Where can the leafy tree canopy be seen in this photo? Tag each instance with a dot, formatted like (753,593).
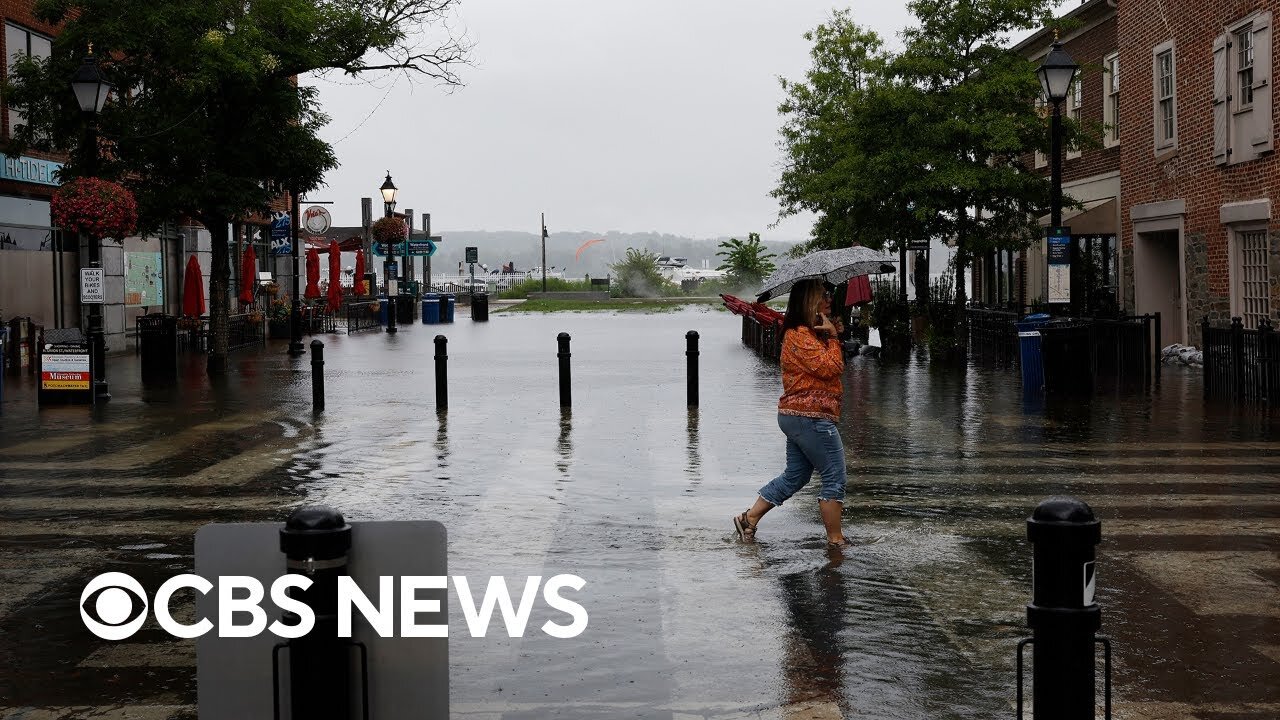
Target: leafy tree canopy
(746,263)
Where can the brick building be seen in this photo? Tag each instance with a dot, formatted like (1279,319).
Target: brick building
(39,266)
(1090,175)
(1198,162)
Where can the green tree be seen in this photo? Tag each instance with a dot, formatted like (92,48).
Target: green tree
(923,143)
(638,275)
(746,263)
(208,121)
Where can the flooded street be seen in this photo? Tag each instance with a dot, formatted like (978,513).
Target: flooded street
(634,493)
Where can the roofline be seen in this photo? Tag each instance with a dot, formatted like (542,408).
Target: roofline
(1042,37)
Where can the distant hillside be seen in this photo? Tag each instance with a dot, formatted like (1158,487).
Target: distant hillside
(525,249)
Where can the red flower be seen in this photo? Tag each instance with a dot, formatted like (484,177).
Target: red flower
(389,230)
(96,207)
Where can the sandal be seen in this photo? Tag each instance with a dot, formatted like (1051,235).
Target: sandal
(843,543)
(746,531)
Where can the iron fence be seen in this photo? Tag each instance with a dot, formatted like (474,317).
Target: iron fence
(362,316)
(242,332)
(1242,364)
(993,334)
(1125,349)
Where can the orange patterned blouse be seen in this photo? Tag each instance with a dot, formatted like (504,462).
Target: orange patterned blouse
(811,370)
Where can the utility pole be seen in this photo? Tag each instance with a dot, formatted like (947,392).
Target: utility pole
(544,252)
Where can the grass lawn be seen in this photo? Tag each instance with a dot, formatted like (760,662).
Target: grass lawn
(612,304)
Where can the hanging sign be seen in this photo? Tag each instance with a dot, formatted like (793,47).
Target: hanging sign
(316,220)
(281,240)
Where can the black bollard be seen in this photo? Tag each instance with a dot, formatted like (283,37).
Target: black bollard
(1063,616)
(442,373)
(315,541)
(317,375)
(691,355)
(565,398)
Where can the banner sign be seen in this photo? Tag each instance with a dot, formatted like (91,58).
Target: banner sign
(281,234)
(1059,265)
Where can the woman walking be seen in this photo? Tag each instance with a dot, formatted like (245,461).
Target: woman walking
(812,363)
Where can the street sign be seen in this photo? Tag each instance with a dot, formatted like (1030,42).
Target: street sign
(421,247)
(918,244)
(316,220)
(92,290)
(1059,264)
(473,255)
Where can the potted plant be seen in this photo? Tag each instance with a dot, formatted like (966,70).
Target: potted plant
(278,317)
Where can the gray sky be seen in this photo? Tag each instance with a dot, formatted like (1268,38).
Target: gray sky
(622,115)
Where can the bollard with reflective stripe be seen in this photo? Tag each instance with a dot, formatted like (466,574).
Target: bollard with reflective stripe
(1063,614)
(315,541)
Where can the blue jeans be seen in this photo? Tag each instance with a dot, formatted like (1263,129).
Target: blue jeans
(811,444)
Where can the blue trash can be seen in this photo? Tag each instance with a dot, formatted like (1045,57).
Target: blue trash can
(446,315)
(449,313)
(382,311)
(430,309)
(1029,347)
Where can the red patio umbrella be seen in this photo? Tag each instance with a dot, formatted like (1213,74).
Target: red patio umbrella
(335,276)
(193,289)
(359,284)
(248,275)
(313,274)
(859,291)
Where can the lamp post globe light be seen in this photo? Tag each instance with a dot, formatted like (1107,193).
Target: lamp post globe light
(1056,74)
(389,192)
(91,91)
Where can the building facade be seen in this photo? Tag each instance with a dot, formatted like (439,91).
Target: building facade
(1198,162)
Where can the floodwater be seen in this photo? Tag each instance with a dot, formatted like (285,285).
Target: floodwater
(634,493)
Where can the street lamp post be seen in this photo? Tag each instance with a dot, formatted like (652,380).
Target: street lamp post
(389,191)
(91,91)
(1056,75)
(295,310)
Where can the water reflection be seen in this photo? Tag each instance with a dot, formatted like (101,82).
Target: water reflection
(564,443)
(813,660)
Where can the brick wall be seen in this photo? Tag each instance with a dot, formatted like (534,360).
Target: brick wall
(1188,172)
(19,12)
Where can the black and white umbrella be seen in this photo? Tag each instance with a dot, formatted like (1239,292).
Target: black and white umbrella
(832,266)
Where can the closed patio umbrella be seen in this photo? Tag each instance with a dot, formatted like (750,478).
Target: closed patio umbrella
(193,289)
(359,284)
(335,276)
(313,274)
(248,274)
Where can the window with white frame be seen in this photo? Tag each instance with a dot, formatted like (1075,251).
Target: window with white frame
(1111,99)
(1075,102)
(1252,288)
(1242,104)
(20,42)
(1165,93)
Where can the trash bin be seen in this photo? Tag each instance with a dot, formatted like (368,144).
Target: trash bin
(158,346)
(480,307)
(430,309)
(406,309)
(382,311)
(447,303)
(1066,350)
(1029,350)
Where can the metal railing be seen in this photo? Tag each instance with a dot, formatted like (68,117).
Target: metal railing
(1125,349)
(1241,364)
(243,333)
(993,334)
(361,316)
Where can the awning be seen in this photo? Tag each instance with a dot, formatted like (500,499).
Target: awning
(1097,218)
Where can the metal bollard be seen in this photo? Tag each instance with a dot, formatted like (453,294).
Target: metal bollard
(315,541)
(317,376)
(442,373)
(691,355)
(565,398)
(1063,616)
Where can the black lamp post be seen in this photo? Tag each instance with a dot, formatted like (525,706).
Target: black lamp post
(1056,75)
(91,91)
(389,191)
(295,310)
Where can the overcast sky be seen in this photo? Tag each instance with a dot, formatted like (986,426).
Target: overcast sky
(622,115)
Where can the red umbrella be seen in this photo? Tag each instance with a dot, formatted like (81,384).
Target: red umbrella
(859,291)
(359,289)
(313,274)
(193,289)
(335,276)
(248,273)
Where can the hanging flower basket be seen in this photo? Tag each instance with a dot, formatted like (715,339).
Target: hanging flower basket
(96,207)
(389,230)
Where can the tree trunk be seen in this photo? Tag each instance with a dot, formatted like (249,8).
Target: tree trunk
(219,307)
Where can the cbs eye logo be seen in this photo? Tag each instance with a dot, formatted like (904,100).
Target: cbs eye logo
(113,606)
